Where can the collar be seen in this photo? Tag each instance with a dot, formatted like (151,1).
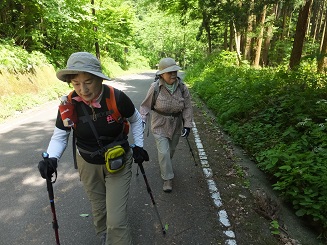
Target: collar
(95,103)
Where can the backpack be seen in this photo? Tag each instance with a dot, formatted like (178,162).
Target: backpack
(156,91)
(112,106)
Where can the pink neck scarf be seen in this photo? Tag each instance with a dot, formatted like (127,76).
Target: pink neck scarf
(95,103)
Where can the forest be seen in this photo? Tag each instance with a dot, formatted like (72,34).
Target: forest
(259,65)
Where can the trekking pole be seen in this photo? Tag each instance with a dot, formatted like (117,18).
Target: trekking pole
(137,170)
(150,193)
(195,163)
(55,226)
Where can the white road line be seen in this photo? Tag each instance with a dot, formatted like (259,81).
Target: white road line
(215,195)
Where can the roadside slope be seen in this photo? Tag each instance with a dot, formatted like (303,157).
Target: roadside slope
(246,193)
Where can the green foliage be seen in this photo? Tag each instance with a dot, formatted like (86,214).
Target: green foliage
(163,35)
(15,59)
(279,117)
(274,227)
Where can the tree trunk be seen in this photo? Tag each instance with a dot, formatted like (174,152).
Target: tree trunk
(301,28)
(237,43)
(260,38)
(231,36)
(268,37)
(248,39)
(206,26)
(284,25)
(226,37)
(321,25)
(322,60)
(97,48)
(314,20)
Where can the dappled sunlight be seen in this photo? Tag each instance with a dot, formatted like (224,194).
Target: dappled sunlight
(34,180)
(70,176)
(10,213)
(21,170)
(119,85)
(137,76)
(24,140)
(5,177)
(13,152)
(24,199)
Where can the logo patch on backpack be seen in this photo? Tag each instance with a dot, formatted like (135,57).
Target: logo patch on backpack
(110,119)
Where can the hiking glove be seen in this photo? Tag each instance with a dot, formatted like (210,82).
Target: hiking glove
(185,132)
(139,154)
(47,167)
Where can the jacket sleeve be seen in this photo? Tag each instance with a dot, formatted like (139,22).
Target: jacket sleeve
(58,143)
(188,110)
(136,127)
(145,107)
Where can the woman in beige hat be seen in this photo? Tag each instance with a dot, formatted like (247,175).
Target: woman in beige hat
(99,116)
(172,116)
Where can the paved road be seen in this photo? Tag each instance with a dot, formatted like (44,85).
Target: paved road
(188,212)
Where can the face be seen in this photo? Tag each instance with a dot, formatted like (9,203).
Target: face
(87,86)
(169,77)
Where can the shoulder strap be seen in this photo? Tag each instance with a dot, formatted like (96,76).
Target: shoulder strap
(112,105)
(155,93)
(183,85)
(69,97)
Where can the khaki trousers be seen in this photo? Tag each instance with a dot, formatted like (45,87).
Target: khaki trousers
(108,194)
(166,148)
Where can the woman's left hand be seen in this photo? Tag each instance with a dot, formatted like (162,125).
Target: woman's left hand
(185,132)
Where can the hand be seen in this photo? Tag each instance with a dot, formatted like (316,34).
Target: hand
(143,125)
(139,154)
(185,132)
(47,167)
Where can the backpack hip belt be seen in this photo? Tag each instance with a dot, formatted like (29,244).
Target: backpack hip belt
(104,148)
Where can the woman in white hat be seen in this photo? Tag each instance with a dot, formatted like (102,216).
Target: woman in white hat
(99,116)
(172,116)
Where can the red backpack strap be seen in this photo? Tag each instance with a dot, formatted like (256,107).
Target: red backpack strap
(112,105)
(69,96)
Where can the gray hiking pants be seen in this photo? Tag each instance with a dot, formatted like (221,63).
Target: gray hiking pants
(166,149)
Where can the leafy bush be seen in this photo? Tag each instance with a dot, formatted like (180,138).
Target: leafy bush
(17,60)
(279,117)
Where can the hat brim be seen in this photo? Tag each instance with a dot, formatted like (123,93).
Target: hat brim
(169,69)
(61,75)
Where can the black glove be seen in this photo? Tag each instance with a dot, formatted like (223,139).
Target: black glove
(47,167)
(139,154)
(185,132)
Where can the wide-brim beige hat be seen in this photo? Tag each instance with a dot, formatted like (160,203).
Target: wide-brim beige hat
(167,65)
(81,62)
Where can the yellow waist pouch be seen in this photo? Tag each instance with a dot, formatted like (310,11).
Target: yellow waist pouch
(114,159)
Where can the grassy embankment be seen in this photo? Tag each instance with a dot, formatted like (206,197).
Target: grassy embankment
(28,79)
(279,117)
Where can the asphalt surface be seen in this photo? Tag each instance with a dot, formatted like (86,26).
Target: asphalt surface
(188,214)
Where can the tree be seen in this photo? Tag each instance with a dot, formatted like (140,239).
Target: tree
(260,37)
(300,32)
(322,60)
